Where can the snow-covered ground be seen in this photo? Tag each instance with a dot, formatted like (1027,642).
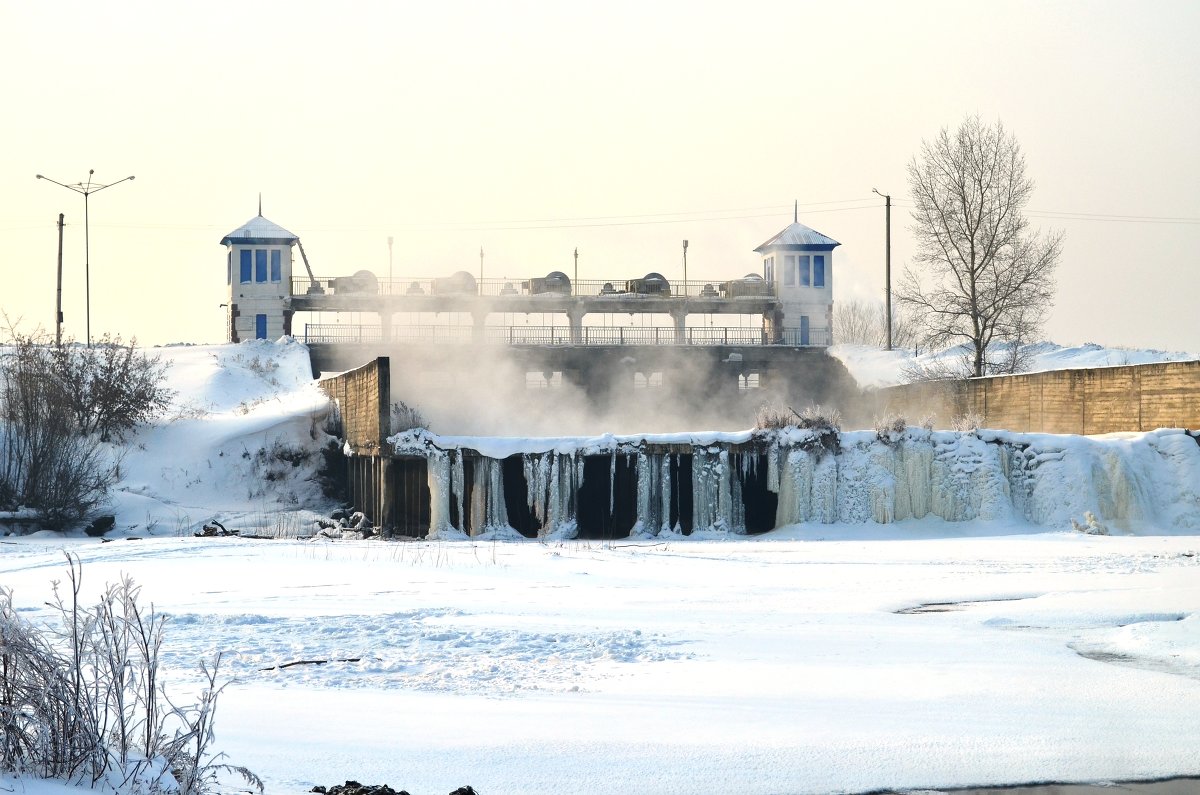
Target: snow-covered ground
(778,664)
(805,660)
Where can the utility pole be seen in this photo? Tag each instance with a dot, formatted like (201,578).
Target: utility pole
(887,261)
(574,289)
(58,316)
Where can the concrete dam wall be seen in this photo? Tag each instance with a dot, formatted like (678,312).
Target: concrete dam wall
(610,487)
(1096,400)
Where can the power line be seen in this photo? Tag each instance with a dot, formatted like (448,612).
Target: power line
(1066,215)
(645,219)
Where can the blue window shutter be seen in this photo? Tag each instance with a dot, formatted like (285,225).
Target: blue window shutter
(260,327)
(246,275)
(819,270)
(276,270)
(260,265)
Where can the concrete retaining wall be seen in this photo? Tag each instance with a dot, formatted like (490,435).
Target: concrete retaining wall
(362,397)
(1098,400)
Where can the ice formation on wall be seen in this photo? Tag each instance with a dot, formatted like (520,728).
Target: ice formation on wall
(1129,482)
(552,481)
(653,494)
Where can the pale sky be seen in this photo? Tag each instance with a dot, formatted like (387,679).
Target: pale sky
(620,128)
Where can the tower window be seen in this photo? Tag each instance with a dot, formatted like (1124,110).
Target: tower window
(246,275)
(804,275)
(819,270)
(260,265)
(276,269)
(789,270)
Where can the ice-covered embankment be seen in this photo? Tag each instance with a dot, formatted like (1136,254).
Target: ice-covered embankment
(1137,483)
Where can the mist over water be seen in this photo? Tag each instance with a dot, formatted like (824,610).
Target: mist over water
(490,391)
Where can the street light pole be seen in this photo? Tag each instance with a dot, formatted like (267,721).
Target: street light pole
(86,190)
(685,269)
(887,259)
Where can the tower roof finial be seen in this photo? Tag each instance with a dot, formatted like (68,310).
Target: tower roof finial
(795,210)
(260,204)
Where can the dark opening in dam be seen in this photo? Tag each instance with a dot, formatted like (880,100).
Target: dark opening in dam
(604,504)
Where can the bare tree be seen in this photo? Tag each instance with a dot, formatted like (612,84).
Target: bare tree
(861,322)
(983,277)
(854,322)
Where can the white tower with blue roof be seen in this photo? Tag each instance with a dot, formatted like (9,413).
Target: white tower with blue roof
(798,263)
(259,275)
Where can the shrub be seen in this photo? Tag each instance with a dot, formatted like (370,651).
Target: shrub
(57,404)
(406,417)
(45,463)
(968,422)
(84,702)
(890,427)
(825,423)
(816,418)
(770,416)
(114,387)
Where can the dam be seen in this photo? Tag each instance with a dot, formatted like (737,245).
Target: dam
(419,484)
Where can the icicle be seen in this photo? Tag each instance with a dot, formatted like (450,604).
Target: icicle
(553,508)
(437,465)
(644,521)
(458,484)
(706,490)
(612,481)
(773,455)
(824,489)
(497,510)
(724,489)
(737,507)
(545,462)
(528,468)
(479,497)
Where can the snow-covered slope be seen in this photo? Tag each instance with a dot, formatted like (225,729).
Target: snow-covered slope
(240,442)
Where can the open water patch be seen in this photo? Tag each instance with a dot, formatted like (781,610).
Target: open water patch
(954,607)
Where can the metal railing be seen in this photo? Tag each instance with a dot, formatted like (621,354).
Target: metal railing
(340,333)
(491,287)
